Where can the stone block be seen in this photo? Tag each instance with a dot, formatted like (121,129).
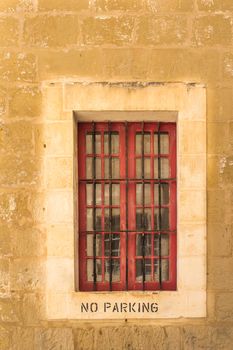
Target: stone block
(59,172)
(9,28)
(101,30)
(191,243)
(10,309)
(215,5)
(196,213)
(189,132)
(161,30)
(61,274)
(212,30)
(59,207)
(224,306)
(3,101)
(197,337)
(220,104)
(25,101)
(18,66)
(220,274)
(219,210)
(59,139)
(5,337)
(27,275)
(54,338)
(23,338)
(119,5)
(193,174)
(12,6)
(29,242)
(84,338)
(81,63)
(219,239)
(33,308)
(62,5)
(218,138)
(169,5)
(4,278)
(51,31)
(5,239)
(60,240)
(184,65)
(227,66)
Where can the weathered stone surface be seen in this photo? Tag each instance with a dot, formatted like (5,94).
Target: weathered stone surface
(33,308)
(48,31)
(23,338)
(29,242)
(54,338)
(84,338)
(10,309)
(25,101)
(5,337)
(220,273)
(4,278)
(161,30)
(9,28)
(215,5)
(212,30)
(107,30)
(169,5)
(220,239)
(18,66)
(12,6)
(62,5)
(224,306)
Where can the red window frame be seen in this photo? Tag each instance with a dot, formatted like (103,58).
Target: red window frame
(127,182)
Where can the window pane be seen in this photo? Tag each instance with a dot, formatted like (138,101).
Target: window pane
(147,168)
(115,219)
(164,194)
(155,143)
(106,220)
(106,168)
(139,194)
(89,219)
(139,270)
(164,144)
(147,245)
(143,224)
(147,199)
(97,143)
(147,270)
(98,216)
(138,168)
(98,194)
(89,193)
(165,270)
(164,219)
(115,244)
(138,143)
(115,270)
(115,194)
(147,194)
(156,270)
(88,143)
(98,168)
(156,171)
(139,221)
(90,270)
(106,194)
(147,143)
(115,168)
(164,245)
(89,173)
(90,242)
(147,219)
(114,143)
(164,168)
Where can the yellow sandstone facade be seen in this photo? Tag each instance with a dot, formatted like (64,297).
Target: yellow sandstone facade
(58,57)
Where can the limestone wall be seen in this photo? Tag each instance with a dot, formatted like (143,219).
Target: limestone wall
(106,40)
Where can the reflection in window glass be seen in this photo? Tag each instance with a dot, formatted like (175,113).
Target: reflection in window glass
(89,193)
(164,219)
(164,194)
(115,244)
(90,270)
(115,270)
(98,244)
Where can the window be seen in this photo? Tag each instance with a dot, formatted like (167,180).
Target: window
(127,206)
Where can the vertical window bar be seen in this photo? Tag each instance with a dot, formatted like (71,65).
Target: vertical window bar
(127,183)
(160,214)
(94,200)
(143,211)
(110,200)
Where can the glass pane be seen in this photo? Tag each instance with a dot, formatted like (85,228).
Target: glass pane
(156,171)
(155,143)
(98,216)
(139,222)
(115,168)
(98,168)
(147,170)
(138,143)
(138,168)
(115,219)
(88,143)
(139,194)
(115,194)
(89,219)
(106,151)
(165,270)
(115,244)
(106,194)
(97,143)
(156,270)
(89,194)
(164,245)
(147,219)
(146,143)
(147,245)
(115,143)
(139,270)
(164,194)
(147,199)
(115,270)
(90,242)
(98,194)
(106,168)
(147,270)
(90,270)
(164,219)
(106,220)
(165,168)
(164,144)
(89,173)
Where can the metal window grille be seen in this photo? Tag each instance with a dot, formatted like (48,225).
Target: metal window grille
(127,206)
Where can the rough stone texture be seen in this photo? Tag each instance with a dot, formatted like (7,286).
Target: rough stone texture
(102,40)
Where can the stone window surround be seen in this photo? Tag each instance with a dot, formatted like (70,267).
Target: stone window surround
(65,102)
